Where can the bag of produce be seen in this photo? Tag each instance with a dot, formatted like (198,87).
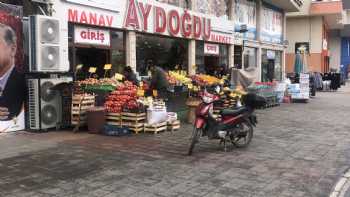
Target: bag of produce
(156,115)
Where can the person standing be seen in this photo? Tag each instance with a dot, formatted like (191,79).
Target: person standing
(159,80)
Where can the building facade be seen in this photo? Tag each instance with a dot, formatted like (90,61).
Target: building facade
(317,27)
(195,34)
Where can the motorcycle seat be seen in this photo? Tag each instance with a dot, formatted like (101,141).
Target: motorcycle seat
(233,112)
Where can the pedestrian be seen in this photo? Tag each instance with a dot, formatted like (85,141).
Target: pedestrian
(130,75)
(159,80)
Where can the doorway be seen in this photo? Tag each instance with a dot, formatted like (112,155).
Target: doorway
(92,57)
(211,63)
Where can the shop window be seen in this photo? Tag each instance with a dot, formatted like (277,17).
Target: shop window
(250,58)
(218,8)
(209,63)
(163,51)
(278,66)
(238,57)
(117,51)
(271,65)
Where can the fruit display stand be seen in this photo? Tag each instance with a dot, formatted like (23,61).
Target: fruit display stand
(134,121)
(113,119)
(155,128)
(80,104)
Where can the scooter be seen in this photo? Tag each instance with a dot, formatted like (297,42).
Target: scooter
(235,126)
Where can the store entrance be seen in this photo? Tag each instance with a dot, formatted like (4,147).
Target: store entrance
(211,63)
(92,57)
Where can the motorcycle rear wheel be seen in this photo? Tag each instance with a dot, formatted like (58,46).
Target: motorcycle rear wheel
(245,132)
(195,138)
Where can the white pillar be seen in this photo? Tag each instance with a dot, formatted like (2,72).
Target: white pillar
(131,49)
(231,59)
(191,57)
(259,61)
(231,48)
(284,49)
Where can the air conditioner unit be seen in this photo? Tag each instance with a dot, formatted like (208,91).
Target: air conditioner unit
(44,103)
(48,51)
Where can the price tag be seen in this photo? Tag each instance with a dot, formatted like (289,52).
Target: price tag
(79,66)
(118,76)
(140,93)
(190,86)
(92,70)
(155,93)
(108,67)
(141,84)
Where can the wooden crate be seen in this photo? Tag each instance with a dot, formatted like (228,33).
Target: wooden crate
(155,128)
(80,105)
(114,119)
(135,121)
(174,125)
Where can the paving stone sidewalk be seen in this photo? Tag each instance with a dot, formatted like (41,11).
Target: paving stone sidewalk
(298,150)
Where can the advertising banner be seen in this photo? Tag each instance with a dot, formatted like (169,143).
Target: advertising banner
(272,25)
(91,36)
(12,83)
(245,14)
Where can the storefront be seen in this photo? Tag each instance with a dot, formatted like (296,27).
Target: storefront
(211,59)
(95,47)
(135,31)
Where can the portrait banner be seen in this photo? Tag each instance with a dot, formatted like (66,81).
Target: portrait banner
(12,81)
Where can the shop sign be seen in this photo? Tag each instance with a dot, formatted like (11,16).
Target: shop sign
(93,36)
(211,49)
(272,25)
(245,14)
(148,16)
(139,16)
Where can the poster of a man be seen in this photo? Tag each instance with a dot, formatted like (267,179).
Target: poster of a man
(12,81)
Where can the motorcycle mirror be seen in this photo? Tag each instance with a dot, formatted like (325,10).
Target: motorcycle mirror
(217,89)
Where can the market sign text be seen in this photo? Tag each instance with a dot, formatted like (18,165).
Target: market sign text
(166,21)
(90,18)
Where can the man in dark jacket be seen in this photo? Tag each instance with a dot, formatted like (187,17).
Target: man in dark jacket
(12,83)
(130,75)
(159,80)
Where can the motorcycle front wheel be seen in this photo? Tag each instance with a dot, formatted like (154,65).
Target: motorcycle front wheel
(194,139)
(243,136)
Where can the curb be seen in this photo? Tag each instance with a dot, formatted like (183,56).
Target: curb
(342,186)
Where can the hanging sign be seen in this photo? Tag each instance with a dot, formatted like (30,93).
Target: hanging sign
(211,49)
(271,25)
(245,14)
(93,36)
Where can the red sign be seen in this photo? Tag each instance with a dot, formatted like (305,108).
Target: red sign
(167,21)
(90,18)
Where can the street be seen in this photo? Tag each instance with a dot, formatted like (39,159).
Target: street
(298,150)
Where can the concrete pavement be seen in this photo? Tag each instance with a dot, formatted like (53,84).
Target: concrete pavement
(297,150)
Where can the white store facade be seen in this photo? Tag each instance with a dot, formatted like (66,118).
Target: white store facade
(131,32)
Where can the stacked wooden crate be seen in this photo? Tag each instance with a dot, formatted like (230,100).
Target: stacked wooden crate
(134,121)
(80,104)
